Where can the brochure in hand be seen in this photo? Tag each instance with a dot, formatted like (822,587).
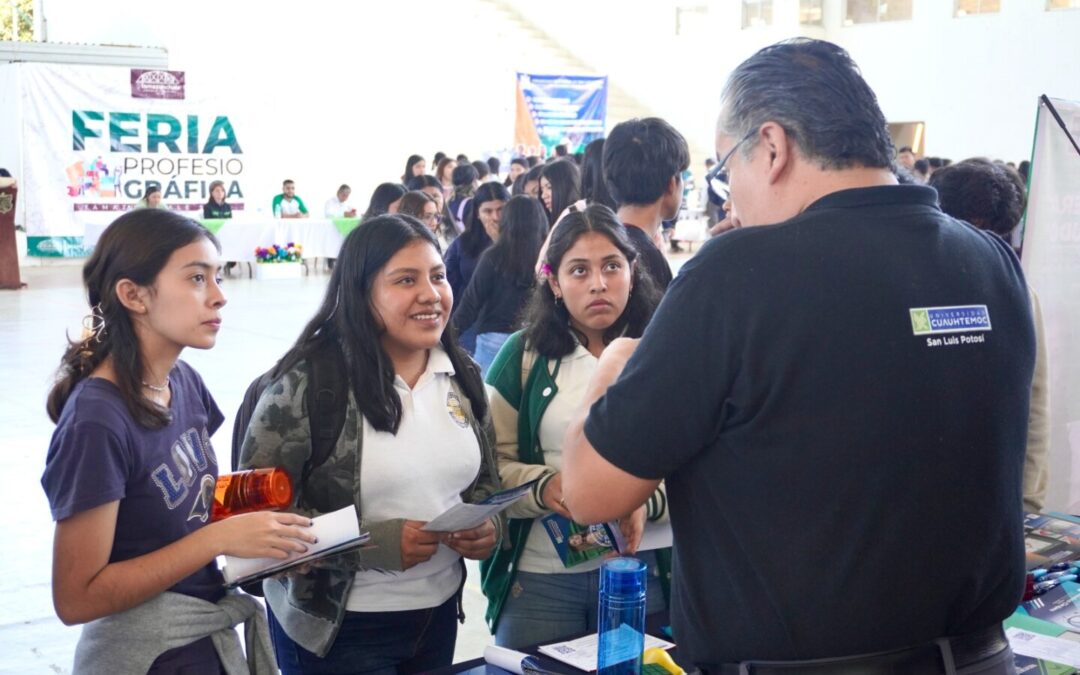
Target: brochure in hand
(576,543)
(467,516)
(337,532)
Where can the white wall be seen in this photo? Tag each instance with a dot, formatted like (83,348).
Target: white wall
(351,89)
(346,91)
(973,80)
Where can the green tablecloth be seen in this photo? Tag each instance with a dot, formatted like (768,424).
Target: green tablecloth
(346,225)
(214,224)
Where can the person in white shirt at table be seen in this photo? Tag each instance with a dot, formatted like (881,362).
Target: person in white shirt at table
(338,206)
(288,204)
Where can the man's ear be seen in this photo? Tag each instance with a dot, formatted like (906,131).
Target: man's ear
(132,296)
(780,148)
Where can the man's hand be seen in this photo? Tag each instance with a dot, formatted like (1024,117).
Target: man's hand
(612,361)
(721,227)
(730,221)
(632,527)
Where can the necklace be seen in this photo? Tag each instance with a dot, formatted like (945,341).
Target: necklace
(153,387)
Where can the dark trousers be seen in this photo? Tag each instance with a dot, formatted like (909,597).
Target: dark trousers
(377,643)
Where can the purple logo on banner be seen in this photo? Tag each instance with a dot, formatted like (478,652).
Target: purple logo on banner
(157,83)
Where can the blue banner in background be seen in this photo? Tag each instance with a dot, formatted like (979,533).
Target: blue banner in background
(559,109)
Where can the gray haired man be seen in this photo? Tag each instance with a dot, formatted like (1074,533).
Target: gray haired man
(851,394)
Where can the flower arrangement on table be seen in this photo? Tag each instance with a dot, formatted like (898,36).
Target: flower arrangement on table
(279,254)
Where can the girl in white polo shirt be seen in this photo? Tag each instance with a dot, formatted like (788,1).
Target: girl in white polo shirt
(417,440)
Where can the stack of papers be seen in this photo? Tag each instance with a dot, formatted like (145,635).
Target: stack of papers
(582,652)
(1041,635)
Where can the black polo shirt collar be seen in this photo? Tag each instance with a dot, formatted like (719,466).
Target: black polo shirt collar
(878,195)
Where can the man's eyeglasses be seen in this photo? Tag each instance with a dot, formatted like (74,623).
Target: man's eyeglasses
(717,178)
(724,160)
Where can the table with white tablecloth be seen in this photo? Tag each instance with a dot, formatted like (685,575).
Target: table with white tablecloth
(239,237)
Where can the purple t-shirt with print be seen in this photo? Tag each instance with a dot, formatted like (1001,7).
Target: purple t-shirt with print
(164,478)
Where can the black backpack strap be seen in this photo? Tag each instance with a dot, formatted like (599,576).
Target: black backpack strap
(243,415)
(327,400)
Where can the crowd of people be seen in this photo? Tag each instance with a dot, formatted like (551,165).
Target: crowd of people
(844,487)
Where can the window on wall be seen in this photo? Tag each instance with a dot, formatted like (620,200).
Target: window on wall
(691,20)
(811,12)
(756,13)
(876,11)
(970,7)
(1062,4)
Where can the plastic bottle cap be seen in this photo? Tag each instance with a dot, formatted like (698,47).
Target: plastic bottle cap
(623,577)
(278,489)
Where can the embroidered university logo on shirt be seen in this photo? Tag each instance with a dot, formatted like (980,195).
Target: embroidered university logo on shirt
(959,319)
(453,407)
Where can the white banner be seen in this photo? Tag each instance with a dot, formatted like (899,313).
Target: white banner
(1051,260)
(95,137)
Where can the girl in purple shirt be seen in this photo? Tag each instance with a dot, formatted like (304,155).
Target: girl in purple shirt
(130,472)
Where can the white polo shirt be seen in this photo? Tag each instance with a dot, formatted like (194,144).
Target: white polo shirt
(335,208)
(416,474)
(575,371)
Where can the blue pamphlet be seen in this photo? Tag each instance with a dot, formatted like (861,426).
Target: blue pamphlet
(576,543)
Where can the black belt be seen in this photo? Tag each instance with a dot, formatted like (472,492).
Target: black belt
(932,657)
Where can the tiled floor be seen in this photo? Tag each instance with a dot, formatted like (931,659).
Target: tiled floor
(260,322)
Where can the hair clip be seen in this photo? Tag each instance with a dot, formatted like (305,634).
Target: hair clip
(93,324)
(545,269)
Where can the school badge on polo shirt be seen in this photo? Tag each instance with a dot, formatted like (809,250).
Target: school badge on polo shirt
(457,413)
(931,321)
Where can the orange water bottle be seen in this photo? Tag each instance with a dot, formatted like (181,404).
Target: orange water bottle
(252,490)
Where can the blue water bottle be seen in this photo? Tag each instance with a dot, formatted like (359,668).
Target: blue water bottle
(621,616)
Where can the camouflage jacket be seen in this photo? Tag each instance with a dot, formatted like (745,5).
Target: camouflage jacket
(311,607)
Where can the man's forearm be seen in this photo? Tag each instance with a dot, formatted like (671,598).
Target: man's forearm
(594,489)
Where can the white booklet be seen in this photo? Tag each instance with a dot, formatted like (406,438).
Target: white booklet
(467,516)
(582,652)
(1035,646)
(337,532)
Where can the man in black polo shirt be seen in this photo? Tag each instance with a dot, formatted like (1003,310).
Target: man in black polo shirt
(852,395)
(643,164)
